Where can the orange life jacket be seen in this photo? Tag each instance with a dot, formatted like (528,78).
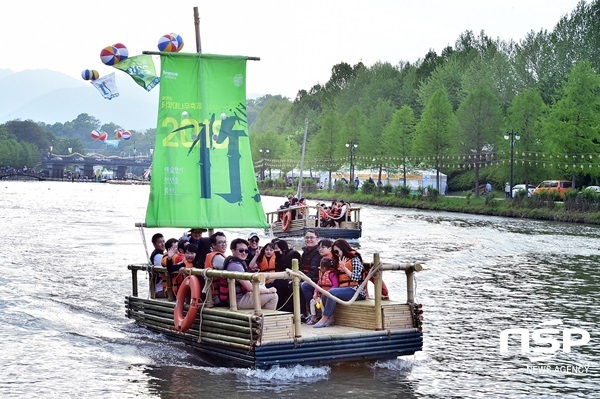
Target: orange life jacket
(178,279)
(208,265)
(344,279)
(325,280)
(267,266)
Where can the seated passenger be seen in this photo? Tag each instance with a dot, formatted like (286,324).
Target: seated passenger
(328,279)
(215,260)
(350,266)
(243,288)
(158,241)
(188,262)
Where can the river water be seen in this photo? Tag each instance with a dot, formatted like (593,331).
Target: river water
(63,330)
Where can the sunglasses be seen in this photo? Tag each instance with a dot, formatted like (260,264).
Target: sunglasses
(242,250)
(253,240)
(310,237)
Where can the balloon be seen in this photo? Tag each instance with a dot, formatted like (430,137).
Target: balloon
(103,136)
(126,135)
(170,43)
(95,134)
(89,74)
(119,133)
(122,51)
(110,55)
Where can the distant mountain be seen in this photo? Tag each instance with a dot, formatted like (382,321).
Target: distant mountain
(48,96)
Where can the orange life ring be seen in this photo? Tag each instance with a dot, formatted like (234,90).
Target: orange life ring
(287,220)
(190,285)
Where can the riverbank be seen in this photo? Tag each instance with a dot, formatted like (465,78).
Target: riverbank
(490,205)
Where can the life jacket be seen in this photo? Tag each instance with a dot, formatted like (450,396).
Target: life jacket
(323,214)
(223,286)
(267,265)
(325,280)
(177,258)
(178,278)
(216,282)
(344,279)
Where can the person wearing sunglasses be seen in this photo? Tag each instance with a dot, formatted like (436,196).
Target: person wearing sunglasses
(253,247)
(350,268)
(243,288)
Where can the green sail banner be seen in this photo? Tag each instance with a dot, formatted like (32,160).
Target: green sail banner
(141,69)
(202,170)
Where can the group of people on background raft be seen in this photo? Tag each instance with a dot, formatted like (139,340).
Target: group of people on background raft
(333,265)
(329,216)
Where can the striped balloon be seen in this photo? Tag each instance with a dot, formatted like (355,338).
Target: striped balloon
(170,43)
(95,134)
(89,74)
(110,55)
(119,133)
(126,135)
(122,51)
(103,136)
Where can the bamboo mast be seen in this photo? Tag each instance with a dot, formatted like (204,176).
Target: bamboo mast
(197,27)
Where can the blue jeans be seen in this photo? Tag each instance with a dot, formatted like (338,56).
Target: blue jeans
(307,292)
(344,294)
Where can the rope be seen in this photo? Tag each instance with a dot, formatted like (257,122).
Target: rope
(144,242)
(304,277)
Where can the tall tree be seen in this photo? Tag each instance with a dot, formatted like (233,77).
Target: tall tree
(398,137)
(436,129)
(573,124)
(479,117)
(322,147)
(525,116)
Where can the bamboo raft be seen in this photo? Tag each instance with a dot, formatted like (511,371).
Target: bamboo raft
(371,329)
(350,224)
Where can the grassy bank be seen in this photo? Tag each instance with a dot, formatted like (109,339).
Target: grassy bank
(493,205)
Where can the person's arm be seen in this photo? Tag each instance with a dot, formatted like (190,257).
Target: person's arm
(253,266)
(357,270)
(335,282)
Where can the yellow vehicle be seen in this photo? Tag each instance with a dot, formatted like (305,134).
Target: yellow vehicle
(559,186)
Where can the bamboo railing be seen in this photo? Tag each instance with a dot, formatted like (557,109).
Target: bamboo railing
(375,270)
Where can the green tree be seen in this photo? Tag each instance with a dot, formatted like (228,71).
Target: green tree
(323,145)
(479,117)
(398,136)
(435,130)
(573,124)
(525,116)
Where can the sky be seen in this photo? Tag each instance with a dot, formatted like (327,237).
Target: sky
(298,42)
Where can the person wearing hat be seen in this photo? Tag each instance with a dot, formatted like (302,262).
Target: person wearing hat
(202,243)
(253,247)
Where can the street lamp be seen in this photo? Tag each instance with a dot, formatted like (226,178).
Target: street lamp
(512,136)
(352,146)
(264,152)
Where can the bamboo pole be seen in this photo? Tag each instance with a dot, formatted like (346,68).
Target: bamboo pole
(296,299)
(378,286)
(134,282)
(232,296)
(197,26)
(256,295)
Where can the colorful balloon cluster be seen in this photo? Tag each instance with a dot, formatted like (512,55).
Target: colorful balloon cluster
(122,134)
(170,43)
(114,54)
(96,135)
(89,74)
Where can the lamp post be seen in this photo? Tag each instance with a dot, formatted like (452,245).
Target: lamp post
(512,136)
(352,146)
(263,153)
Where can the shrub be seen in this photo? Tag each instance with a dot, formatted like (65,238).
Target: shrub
(388,188)
(402,191)
(368,187)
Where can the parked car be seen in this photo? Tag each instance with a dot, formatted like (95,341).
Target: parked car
(560,186)
(518,187)
(78,159)
(56,159)
(593,188)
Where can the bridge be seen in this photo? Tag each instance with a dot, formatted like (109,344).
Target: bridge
(21,175)
(56,164)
